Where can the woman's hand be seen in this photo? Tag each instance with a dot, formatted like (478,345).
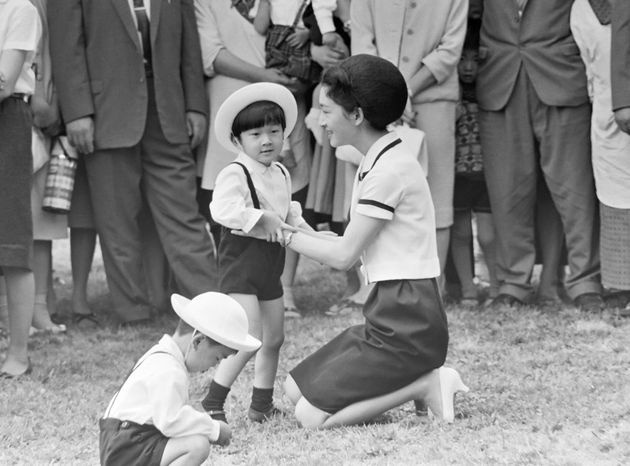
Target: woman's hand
(326,56)
(44,114)
(298,38)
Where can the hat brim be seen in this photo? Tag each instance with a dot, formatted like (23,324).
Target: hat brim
(182,309)
(245,96)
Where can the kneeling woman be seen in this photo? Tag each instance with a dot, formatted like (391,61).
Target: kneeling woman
(397,354)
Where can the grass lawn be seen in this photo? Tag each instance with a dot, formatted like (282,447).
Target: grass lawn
(548,386)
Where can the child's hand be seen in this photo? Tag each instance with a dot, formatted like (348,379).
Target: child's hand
(298,38)
(225,434)
(269,226)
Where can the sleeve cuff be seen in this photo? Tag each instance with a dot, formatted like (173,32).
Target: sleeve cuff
(252,216)
(376,209)
(436,67)
(295,214)
(325,23)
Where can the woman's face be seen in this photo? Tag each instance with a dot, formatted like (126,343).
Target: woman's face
(340,127)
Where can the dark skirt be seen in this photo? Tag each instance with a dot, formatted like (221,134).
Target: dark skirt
(405,335)
(250,266)
(16,168)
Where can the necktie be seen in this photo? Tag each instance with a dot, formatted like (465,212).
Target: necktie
(601,8)
(521,4)
(143,29)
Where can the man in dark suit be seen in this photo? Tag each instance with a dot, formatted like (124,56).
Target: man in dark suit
(620,75)
(536,115)
(130,85)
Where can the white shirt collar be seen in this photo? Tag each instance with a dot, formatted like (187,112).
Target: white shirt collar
(376,148)
(167,344)
(252,165)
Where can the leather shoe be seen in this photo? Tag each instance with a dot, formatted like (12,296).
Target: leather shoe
(590,302)
(506,300)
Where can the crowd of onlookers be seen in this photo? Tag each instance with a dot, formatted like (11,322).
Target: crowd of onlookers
(523,108)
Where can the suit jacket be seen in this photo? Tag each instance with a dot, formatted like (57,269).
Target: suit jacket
(540,40)
(620,59)
(98,67)
(410,35)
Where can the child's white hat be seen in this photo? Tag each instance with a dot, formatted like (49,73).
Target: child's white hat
(217,316)
(248,95)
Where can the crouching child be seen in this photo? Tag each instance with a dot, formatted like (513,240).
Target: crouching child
(149,421)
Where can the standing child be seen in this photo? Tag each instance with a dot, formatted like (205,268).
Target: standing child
(149,420)
(254,191)
(471,194)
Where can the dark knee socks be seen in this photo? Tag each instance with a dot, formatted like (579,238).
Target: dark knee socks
(262,399)
(215,399)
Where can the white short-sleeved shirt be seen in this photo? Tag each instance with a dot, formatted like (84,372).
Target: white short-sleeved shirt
(20,29)
(394,188)
(156,393)
(232,204)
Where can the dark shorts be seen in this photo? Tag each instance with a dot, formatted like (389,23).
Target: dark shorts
(471,194)
(250,266)
(130,444)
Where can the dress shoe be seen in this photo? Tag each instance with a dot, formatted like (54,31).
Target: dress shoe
(450,383)
(590,302)
(506,300)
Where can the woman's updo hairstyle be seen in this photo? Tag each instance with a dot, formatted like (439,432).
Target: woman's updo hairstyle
(371,83)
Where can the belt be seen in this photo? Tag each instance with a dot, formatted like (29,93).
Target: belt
(21,96)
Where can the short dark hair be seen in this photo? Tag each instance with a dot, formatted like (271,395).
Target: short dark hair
(370,83)
(257,114)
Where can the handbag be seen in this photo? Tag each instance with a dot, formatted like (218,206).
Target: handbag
(292,61)
(60,177)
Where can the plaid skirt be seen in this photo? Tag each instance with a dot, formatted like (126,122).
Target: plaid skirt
(615,247)
(292,61)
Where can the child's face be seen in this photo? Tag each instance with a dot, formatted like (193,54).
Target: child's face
(468,66)
(340,128)
(263,144)
(205,354)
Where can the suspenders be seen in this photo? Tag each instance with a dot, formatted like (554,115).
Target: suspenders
(111,405)
(250,183)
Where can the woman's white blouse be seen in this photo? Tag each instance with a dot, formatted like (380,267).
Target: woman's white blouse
(395,189)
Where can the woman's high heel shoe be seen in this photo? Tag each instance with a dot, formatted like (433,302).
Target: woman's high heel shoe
(440,404)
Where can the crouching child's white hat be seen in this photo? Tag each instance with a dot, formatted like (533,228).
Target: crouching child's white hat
(245,96)
(217,316)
